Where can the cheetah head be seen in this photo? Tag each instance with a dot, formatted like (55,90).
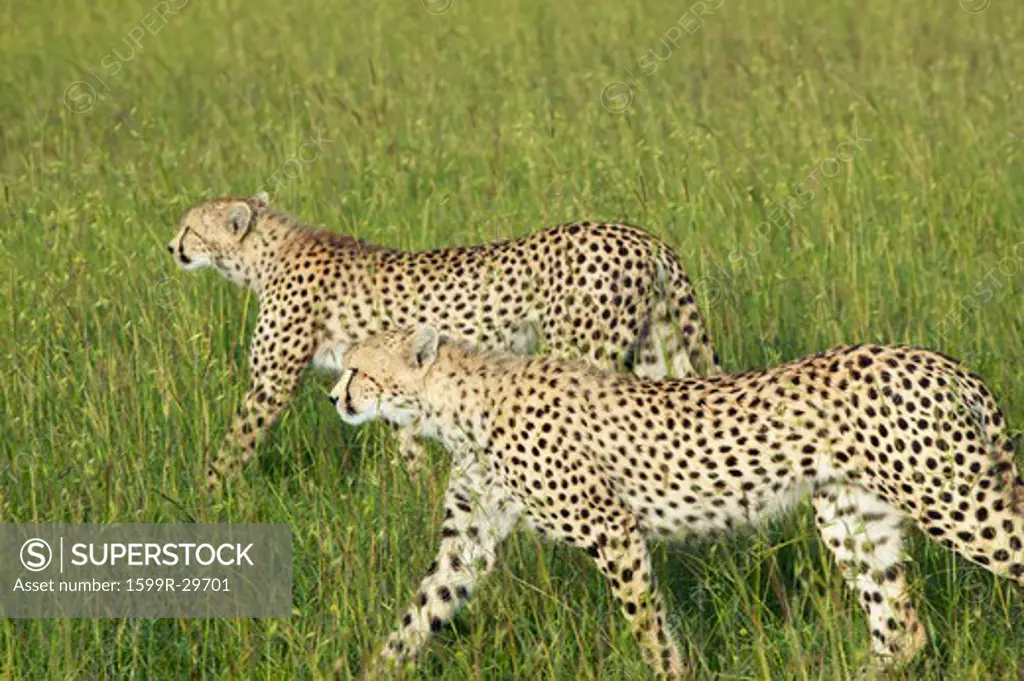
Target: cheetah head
(211,233)
(382,377)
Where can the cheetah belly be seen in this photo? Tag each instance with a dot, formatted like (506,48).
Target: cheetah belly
(672,516)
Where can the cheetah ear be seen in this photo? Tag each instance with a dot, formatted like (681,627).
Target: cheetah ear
(260,200)
(424,347)
(241,215)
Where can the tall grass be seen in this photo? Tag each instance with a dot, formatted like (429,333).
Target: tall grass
(120,372)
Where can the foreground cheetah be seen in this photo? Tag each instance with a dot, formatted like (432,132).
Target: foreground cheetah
(874,435)
(609,293)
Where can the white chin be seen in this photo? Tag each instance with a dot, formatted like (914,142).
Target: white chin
(355,419)
(194,264)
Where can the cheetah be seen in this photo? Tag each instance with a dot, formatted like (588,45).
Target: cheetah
(873,435)
(611,294)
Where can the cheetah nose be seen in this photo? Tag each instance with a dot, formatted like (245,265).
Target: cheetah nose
(333,400)
(170,249)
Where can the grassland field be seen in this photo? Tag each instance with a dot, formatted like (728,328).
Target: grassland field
(830,172)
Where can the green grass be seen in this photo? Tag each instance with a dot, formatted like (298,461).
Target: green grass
(119,372)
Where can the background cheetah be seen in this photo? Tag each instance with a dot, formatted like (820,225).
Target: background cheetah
(874,435)
(609,293)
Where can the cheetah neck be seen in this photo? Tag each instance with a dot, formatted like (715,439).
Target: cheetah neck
(264,248)
(277,240)
(457,398)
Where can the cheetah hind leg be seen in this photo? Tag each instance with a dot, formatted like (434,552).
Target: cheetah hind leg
(864,534)
(624,560)
(983,519)
(668,347)
(673,340)
(648,358)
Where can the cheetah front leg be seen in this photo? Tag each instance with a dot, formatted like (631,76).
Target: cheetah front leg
(280,352)
(412,451)
(478,515)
